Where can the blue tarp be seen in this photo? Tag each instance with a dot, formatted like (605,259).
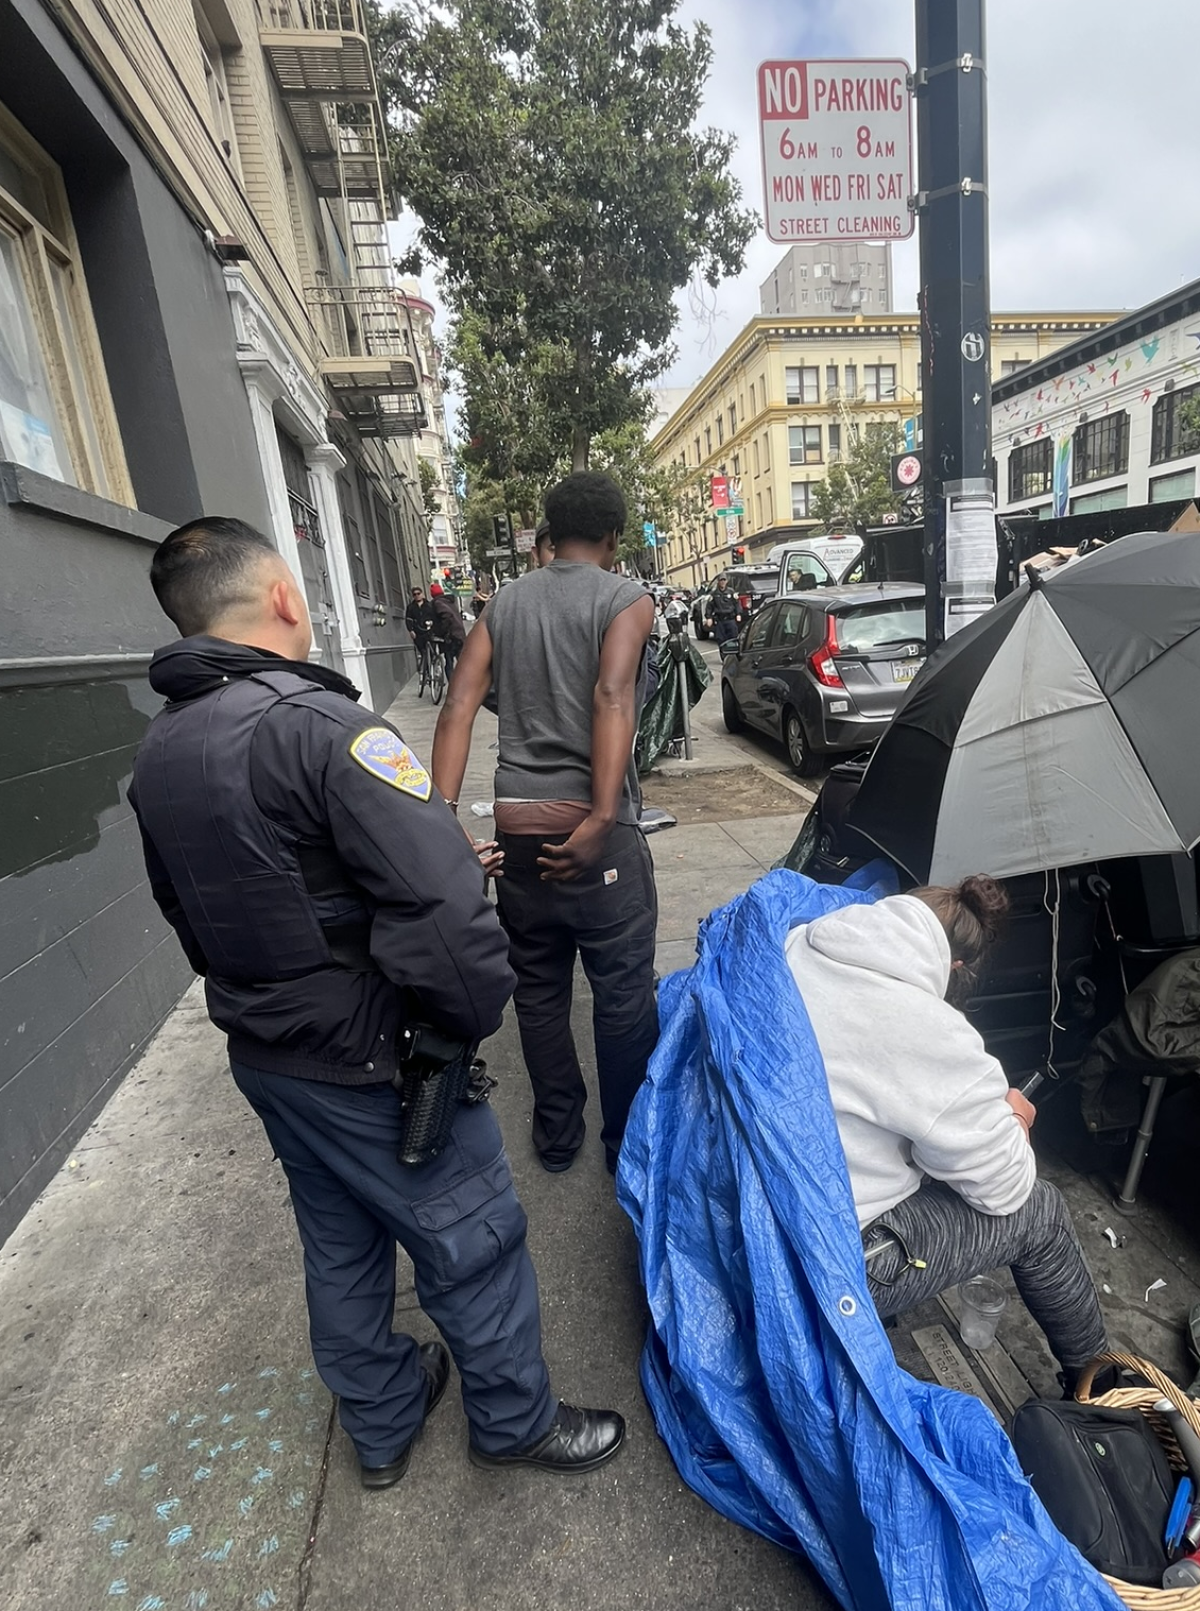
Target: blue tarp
(769,1374)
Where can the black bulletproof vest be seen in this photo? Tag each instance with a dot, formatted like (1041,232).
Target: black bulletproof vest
(248,887)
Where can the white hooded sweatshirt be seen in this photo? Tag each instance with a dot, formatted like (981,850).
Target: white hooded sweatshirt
(914,1090)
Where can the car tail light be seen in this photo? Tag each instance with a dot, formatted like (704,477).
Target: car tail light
(821,663)
(745,600)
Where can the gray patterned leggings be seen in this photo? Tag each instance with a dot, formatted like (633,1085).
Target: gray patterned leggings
(1038,1243)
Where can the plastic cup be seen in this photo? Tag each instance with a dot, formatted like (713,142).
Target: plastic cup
(983,1302)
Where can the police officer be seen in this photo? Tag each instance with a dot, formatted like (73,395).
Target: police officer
(318,882)
(724,611)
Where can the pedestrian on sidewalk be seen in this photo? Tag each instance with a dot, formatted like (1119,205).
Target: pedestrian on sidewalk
(448,625)
(564,646)
(937,1146)
(724,612)
(317,882)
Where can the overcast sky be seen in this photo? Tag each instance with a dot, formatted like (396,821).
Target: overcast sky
(1094,145)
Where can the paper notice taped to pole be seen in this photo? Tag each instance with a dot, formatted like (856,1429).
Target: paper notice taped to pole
(972,553)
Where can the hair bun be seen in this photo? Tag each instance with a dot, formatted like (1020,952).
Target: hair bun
(986,900)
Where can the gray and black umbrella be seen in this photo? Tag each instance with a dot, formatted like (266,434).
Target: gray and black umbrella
(1059,728)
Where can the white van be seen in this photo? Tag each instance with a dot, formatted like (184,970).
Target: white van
(825,559)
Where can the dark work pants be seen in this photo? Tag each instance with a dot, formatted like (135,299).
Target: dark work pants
(1038,1243)
(608,918)
(459,1221)
(724,628)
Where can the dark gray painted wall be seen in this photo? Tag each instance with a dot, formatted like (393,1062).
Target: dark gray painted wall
(88,969)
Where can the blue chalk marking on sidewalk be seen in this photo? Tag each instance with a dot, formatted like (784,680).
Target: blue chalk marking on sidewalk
(163,1510)
(151,1602)
(263,1415)
(263,1474)
(217,1449)
(173,1418)
(245,1505)
(226,1418)
(226,1387)
(195,1443)
(266,1599)
(118,1586)
(275,1445)
(268,1370)
(104,1524)
(113,1478)
(148,1471)
(268,1546)
(220,1554)
(240,1444)
(296,1498)
(179,1535)
(197,1599)
(198,1420)
(202,1474)
(119,1546)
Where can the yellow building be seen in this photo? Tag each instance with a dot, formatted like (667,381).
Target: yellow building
(784,402)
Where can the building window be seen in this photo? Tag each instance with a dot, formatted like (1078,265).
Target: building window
(758,508)
(392,581)
(1101,448)
(212,55)
(753,404)
(770,507)
(56,416)
(801,385)
(879,383)
(804,444)
(1030,470)
(708,441)
(697,450)
(825,295)
(767,452)
(1171,437)
(1168,488)
(851,382)
(306,522)
(800,491)
(737,464)
(831,383)
(835,443)
(1092,503)
(754,456)
(354,541)
(803,272)
(720,429)
(1009,366)
(732,418)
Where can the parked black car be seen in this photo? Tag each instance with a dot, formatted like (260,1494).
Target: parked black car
(825,671)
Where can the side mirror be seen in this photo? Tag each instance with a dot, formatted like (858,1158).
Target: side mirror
(730,646)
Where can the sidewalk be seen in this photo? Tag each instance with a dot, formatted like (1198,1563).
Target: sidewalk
(165,1445)
(164,1442)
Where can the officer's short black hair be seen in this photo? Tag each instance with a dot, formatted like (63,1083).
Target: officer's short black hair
(585,507)
(203,569)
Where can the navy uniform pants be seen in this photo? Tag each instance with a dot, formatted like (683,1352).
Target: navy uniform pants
(607,917)
(459,1221)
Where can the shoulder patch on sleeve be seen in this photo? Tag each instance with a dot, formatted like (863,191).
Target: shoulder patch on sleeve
(385,756)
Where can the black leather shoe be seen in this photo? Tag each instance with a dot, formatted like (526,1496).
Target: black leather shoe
(556,1163)
(435,1366)
(578,1440)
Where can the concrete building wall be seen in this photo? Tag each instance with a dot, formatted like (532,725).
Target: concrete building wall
(828,278)
(737,421)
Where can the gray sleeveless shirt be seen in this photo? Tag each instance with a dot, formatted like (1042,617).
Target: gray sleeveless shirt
(546,632)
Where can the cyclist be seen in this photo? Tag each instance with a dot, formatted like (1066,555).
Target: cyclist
(448,625)
(418,618)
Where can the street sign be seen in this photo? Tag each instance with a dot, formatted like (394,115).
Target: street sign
(906,471)
(498,553)
(837,150)
(525,539)
(649,534)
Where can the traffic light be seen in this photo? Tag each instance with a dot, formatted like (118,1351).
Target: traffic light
(447,572)
(739,556)
(502,530)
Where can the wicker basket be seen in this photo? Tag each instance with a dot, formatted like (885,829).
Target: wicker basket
(1143,1399)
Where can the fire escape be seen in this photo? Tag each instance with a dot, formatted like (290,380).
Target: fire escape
(319,53)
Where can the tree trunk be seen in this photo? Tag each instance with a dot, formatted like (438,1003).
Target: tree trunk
(581,447)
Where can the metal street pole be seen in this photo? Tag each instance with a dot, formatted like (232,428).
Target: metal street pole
(954,305)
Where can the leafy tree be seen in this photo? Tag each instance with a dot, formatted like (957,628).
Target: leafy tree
(857,490)
(429,491)
(550,154)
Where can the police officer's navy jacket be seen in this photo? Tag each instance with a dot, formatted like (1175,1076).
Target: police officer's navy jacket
(311,871)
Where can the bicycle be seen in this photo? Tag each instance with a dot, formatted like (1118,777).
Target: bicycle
(431,667)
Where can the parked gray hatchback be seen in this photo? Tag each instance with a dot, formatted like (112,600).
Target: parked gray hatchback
(824,671)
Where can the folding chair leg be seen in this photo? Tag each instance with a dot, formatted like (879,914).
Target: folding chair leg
(1127,1200)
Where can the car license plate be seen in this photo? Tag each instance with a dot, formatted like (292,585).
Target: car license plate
(905,670)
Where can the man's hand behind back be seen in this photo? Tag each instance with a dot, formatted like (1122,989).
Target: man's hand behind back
(562,863)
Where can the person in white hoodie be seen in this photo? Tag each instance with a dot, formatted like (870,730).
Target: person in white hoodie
(937,1145)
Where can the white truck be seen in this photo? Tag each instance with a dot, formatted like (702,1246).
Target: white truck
(826,560)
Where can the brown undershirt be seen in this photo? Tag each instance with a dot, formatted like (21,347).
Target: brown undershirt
(540,816)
